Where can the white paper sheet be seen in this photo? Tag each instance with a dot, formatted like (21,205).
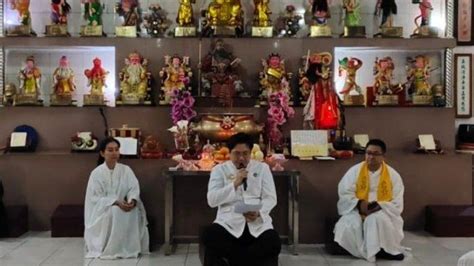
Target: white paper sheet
(361,139)
(427,142)
(18,139)
(128,146)
(242,207)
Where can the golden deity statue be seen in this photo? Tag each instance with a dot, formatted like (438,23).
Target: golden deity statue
(224,13)
(30,83)
(185,13)
(262,13)
(274,78)
(134,77)
(176,75)
(97,77)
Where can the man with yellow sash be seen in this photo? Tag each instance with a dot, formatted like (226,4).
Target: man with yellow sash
(371,203)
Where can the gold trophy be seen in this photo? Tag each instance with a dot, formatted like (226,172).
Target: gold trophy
(185,19)
(262,24)
(96,77)
(223,18)
(63,78)
(135,81)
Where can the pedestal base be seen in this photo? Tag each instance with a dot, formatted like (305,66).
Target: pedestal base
(130,99)
(19,30)
(26,99)
(94,100)
(354,100)
(61,100)
(92,31)
(354,32)
(320,31)
(390,32)
(126,31)
(224,30)
(387,100)
(262,32)
(422,100)
(426,32)
(185,31)
(56,31)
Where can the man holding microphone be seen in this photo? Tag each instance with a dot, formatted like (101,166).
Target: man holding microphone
(244,192)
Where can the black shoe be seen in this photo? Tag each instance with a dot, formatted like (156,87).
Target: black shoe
(384,255)
(222,262)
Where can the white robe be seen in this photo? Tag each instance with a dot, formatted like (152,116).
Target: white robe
(110,232)
(466,259)
(261,189)
(382,229)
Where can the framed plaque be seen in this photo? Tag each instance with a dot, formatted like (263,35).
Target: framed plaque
(463,19)
(463,84)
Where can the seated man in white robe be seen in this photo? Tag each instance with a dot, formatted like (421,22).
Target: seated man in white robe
(466,259)
(241,239)
(371,203)
(115,219)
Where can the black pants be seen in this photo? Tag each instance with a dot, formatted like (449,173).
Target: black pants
(246,250)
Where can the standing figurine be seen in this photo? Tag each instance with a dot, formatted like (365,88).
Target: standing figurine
(352,19)
(59,12)
(185,19)
(422,21)
(176,75)
(351,90)
(289,24)
(321,109)
(20,22)
(418,74)
(135,81)
(385,92)
(156,22)
(93,15)
(130,11)
(63,83)
(387,8)
(220,78)
(96,77)
(320,14)
(273,78)
(262,24)
(223,18)
(30,83)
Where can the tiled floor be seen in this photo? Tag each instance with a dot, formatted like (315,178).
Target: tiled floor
(37,248)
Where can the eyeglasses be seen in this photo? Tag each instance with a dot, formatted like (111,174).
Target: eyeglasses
(370,153)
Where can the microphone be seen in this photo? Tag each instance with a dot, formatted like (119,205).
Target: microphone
(241,166)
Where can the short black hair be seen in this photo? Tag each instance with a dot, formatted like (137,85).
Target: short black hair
(379,143)
(240,138)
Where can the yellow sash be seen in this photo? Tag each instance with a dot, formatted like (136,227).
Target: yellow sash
(384,189)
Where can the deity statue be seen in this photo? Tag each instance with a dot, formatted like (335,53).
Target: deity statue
(220,78)
(387,8)
(18,22)
(96,77)
(128,9)
(274,78)
(352,12)
(320,11)
(176,75)
(59,11)
(9,94)
(223,17)
(93,12)
(135,80)
(261,14)
(418,74)
(63,78)
(383,71)
(289,25)
(423,20)
(23,9)
(30,78)
(185,13)
(155,22)
(350,66)
(321,109)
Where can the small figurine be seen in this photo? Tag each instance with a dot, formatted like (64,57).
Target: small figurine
(151,148)
(181,135)
(262,24)
(93,14)
(387,8)
(21,22)
(273,78)
(63,83)
(96,77)
(350,66)
(321,102)
(9,94)
(30,83)
(220,78)
(320,14)
(439,97)
(60,9)
(175,76)
(185,19)
(130,11)
(352,20)
(422,21)
(223,18)
(384,91)
(135,81)
(156,22)
(84,141)
(289,25)
(418,73)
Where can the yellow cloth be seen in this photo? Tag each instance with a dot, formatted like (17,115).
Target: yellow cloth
(384,189)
